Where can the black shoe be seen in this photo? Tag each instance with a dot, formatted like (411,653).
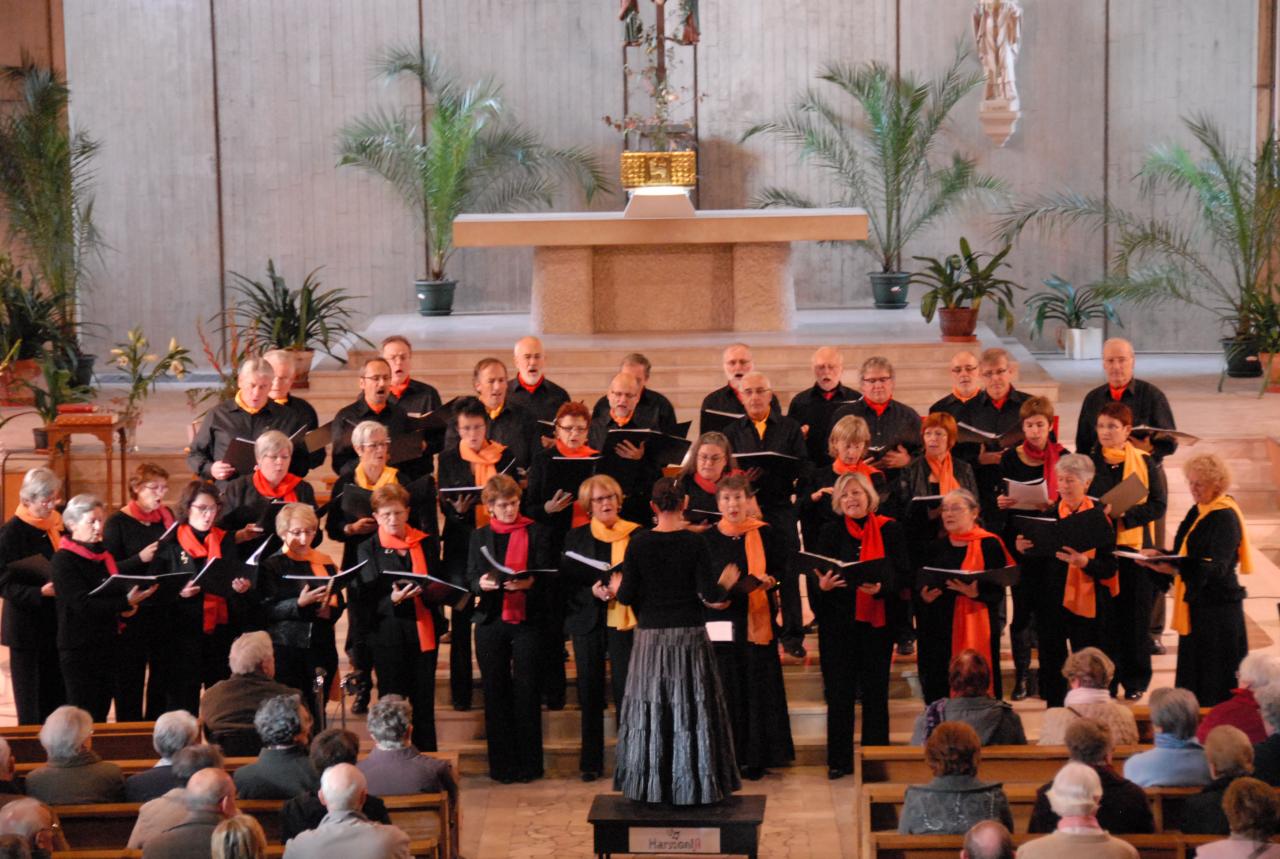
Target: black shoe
(795,649)
(1019,689)
(836,773)
(906,648)
(557,704)
(1158,648)
(753,773)
(1134,694)
(590,775)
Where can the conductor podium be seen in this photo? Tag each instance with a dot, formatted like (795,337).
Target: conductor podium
(623,826)
(715,271)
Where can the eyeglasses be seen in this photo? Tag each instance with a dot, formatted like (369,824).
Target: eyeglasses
(748,392)
(299,532)
(157,488)
(597,499)
(965,368)
(390,513)
(204,508)
(714,456)
(954,508)
(376,378)
(994,372)
(571,429)
(878,380)
(376,444)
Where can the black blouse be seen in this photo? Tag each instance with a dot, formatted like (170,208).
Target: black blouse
(1107,476)
(289,624)
(725,550)
(490,603)
(835,541)
(1213,550)
(669,574)
(29,619)
(85,621)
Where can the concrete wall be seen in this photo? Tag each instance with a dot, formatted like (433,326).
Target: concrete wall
(290,72)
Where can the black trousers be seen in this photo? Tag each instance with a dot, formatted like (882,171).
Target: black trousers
(411,673)
(1129,635)
(552,634)
(509,655)
(1058,628)
(461,680)
(783,522)
(296,667)
(589,654)
(89,675)
(38,689)
(854,656)
(141,646)
(215,651)
(1024,626)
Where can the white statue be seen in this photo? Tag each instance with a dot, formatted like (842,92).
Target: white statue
(997,29)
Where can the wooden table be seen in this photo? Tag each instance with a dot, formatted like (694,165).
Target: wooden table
(730,827)
(60,437)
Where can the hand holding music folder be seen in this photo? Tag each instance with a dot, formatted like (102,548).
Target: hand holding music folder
(566,473)
(319,438)
(659,447)
(121,584)
(1030,495)
(357,502)
(714,420)
(871,572)
(938,577)
(1161,434)
(240,455)
(434,590)
(969,434)
(31,570)
(337,580)
(507,571)
(1124,495)
(777,469)
(1090,529)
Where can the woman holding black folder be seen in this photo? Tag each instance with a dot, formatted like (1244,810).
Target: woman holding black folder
(929,476)
(405,618)
(855,620)
(1071,591)
(508,615)
(463,469)
(1115,460)
(960,614)
(89,623)
(301,616)
(251,502)
(601,627)
(846,445)
(205,616)
(749,664)
(710,459)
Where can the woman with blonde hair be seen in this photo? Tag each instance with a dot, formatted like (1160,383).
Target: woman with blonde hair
(239,837)
(1208,601)
(847,445)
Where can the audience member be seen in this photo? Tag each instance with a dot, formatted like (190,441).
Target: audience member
(75,774)
(1124,806)
(330,747)
(229,706)
(995,721)
(987,839)
(35,824)
(1266,754)
(955,799)
(283,769)
(164,812)
(394,767)
(1177,759)
(1230,756)
(211,799)
(10,788)
(239,837)
(1256,670)
(1253,814)
(174,731)
(13,847)
(345,831)
(1074,797)
(1089,672)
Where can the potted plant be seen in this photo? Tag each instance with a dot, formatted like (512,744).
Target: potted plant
(1215,253)
(884,161)
(1264,320)
(957,286)
(458,152)
(297,320)
(29,318)
(59,389)
(1074,308)
(144,371)
(46,189)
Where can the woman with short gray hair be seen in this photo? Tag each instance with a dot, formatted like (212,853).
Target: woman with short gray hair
(29,623)
(1177,759)
(88,619)
(250,502)
(75,774)
(1257,671)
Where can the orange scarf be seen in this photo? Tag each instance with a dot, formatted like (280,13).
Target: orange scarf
(1079,597)
(377,410)
(1135,462)
(970,621)
(867,608)
(245,406)
(759,623)
(1181,621)
(397,391)
(215,607)
(286,488)
(955,392)
(617,616)
(943,472)
(412,542)
(859,467)
(484,465)
(320,565)
(51,525)
(621,422)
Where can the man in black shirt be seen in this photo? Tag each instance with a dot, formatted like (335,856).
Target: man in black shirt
(895,428)
(247,415)
(813,407)
(534,392)
(413,396)
(302,413)
(374,404)
(1148,403)
(653,409)
(633,464)
(737,362)
(765,429)
(995,410)
(965,384)
(509,424)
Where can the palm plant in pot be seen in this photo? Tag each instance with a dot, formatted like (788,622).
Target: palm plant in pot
(884,160)
(957,286)
(1264,319)
(54,389)
(459,152)
(296,320)
(29,318)
(1215,253)
(1074,308)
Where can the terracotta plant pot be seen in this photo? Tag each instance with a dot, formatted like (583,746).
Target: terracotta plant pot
(12,392)
(302,359)
(1270,362)
(958,324)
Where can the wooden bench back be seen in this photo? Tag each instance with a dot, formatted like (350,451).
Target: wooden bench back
(110,739)
(885,845)
(419,848)
(1009,764)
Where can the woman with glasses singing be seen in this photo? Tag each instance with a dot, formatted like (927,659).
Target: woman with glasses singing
(132,537)
(710,459)
(251,502)
(405,620)
(301,616)
(204,616)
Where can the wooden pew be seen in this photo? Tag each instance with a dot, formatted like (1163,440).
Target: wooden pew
(1009,764)
(419,848)
(887,845)
(110,739)
(133,766)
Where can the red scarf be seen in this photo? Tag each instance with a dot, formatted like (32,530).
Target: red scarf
(1117,394)
(867,608)
(530,388)
(515,603)
(215,607)
(287,488)
(103,557)
(878,408)
(160,515)
(1047,456)
(412,542)
(970,621)
(999,404)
